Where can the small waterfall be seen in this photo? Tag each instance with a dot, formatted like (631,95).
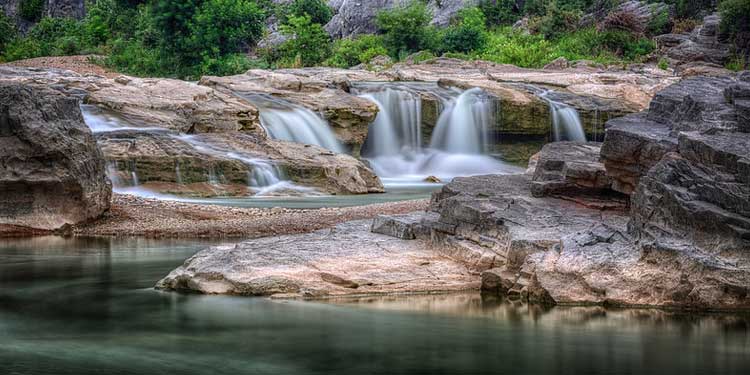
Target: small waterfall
(397,126)
(463,127)
(177,173)
(289,122)
(566,124)
(393,147)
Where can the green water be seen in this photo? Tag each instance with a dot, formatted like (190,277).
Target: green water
(86,306)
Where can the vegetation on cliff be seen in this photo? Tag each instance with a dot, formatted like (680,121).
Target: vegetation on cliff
(191,38)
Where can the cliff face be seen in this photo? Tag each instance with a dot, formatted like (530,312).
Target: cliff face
(354,17)
(52,8)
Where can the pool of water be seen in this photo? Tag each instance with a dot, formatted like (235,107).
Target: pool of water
(86,306)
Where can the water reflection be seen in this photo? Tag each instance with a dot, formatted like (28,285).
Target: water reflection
(79,306)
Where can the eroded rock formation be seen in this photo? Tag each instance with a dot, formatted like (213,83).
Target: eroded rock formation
(52,172)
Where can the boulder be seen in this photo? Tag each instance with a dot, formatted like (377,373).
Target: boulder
(345,260)
(559,63)
(406,226)
(52,173)
(703,45)
(570,170)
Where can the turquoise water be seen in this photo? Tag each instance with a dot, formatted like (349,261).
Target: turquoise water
(86,306)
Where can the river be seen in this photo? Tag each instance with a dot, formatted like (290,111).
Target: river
(87,306)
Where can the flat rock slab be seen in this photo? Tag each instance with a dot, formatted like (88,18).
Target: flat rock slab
(345,260)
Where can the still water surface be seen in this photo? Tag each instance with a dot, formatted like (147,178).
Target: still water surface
(86,306)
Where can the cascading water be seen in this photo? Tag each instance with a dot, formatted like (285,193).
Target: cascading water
(462,128)
(566,124)
(264,177)
(286,121)
(457,145)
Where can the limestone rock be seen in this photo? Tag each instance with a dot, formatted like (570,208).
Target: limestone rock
(320,264)
(52,172)
(703,45)
(557,64)
(406,227)
(570,170)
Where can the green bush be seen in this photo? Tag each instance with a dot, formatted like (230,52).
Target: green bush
(7,32)
(21,48)
(31,10)
(735,21)
(225,27)
(308,43)
(660,24)
(556,21)
(500,12)
(350,52)
(469,34)
(405,28)
(318,11)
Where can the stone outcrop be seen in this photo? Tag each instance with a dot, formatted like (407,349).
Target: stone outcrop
(51,8)
(353,17)
(704,46)
(345,260)
(572,170)
(52,172)
(635,143)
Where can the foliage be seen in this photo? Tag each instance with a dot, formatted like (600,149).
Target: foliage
(500,12)
(469,34)
(663,64)
(691,8)
(684,25)
(308,43)
(350,52)
(31,10)
(318,11)
(556,20)
(660,23)
(7,31)
(737,63)
(405,28)
(226,27)
(735,22)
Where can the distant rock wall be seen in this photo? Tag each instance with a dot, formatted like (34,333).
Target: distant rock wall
(52,8)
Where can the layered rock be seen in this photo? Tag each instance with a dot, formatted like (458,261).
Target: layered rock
(348,115)
(704,46)
(52,172)
(635,143)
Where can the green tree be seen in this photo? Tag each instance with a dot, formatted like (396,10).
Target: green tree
(469,34)
(31,10)
(221,27)
(318,10)
(405,28)
(308,43)
(7,31)
(500,12)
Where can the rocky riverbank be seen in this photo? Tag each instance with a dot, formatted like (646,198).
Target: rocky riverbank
(573,230)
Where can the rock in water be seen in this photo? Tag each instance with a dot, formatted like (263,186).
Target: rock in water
(52,172)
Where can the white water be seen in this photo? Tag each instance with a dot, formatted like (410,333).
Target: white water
(566,124)
(289,122)
(264,177)
(462,128)
(458,142)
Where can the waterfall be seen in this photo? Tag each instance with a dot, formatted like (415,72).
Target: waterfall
(289,122)
(462,127)
(566,124)
(397,126)
(393,146)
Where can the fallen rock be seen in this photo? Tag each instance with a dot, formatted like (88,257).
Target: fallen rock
(52,173)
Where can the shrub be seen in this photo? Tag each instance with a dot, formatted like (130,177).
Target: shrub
(58,36)
(556,21)
(21,48)
(7,31)
(405,28)
(223,27)
(735,22)
(736,63)
(31,10)
(500,12)
(318,11)
(663,64)
(351,52)
(660,23)
(469,34)
(684,25)
(308,45)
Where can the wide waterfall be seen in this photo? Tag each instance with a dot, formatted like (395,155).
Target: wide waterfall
(566,124)
(289,122)
(459,143)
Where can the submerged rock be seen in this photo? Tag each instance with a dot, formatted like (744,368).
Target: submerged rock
(52,173)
